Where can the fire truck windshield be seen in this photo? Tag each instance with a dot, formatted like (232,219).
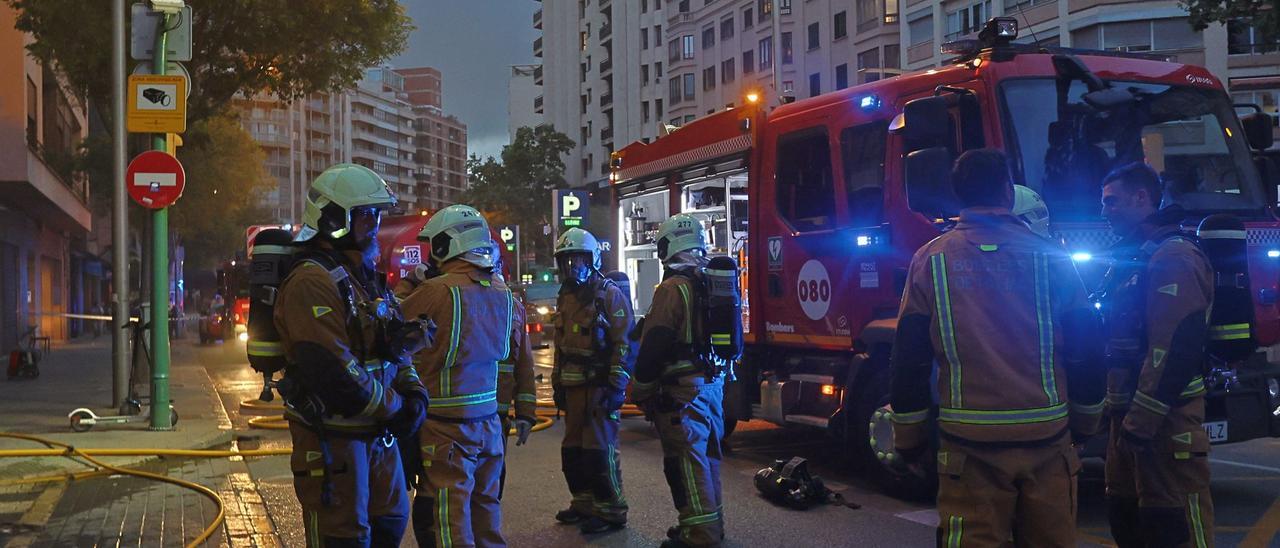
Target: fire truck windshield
(1062,147)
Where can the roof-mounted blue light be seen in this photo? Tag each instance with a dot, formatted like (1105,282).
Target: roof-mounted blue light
(869,102)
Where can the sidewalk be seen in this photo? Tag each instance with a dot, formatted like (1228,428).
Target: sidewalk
(96,511)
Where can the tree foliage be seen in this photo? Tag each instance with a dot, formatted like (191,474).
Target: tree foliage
(518,188)
(286,47)
(222,196)
(1262,14)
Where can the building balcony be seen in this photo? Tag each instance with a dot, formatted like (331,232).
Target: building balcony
(606,31)
(537,76)
(537,47)
(606,134)
(537,19)
(537,104)
(606,99)
(29,183)
(606,66)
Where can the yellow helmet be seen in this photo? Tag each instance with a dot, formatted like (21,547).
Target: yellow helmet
(335,193)
(459,231)
(681,232)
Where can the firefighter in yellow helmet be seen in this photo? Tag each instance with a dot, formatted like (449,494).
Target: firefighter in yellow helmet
(351,388)
(462,441)
(592,369)
(680,393)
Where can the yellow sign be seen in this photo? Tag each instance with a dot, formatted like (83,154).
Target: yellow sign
(157,104)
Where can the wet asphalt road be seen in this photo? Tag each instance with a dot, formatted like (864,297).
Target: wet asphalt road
(1246,486)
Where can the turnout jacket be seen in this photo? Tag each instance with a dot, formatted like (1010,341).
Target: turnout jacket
(1005,316)
(476,309)
(358,388)
(666,345)
(515,372)
(1157,324)
(578,359)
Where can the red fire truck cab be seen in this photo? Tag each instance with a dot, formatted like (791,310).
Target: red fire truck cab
(823,202)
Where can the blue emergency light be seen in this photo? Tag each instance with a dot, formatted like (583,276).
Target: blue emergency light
(869,102)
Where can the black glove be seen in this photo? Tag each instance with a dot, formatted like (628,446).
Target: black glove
(557,396)
(411,416)
(413,337)
(611,400)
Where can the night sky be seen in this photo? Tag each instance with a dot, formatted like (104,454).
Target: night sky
(473,43)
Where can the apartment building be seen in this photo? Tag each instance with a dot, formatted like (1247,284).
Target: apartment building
(524,86)
(618,72)
(390,122)
(49,263)
(1238,54)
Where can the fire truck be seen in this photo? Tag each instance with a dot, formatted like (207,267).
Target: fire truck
(823,201)
(401,251)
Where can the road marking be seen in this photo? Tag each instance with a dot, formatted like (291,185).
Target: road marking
(1247,465)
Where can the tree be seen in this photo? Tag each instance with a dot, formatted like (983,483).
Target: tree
(1263,15)
(222,197)
(288,48)
(518,189)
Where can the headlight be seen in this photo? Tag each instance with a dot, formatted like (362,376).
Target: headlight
(544,310)
(244,337)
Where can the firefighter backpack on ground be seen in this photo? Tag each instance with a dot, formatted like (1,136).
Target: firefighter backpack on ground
(789,483)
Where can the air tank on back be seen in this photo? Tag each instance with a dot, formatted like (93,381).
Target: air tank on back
(271,258)
(1222,237)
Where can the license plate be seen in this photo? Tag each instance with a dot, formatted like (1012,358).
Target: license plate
(1217,431)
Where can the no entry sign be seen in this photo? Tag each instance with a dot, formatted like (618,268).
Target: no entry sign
(155,179)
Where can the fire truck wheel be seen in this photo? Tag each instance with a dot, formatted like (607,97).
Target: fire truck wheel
(732,405)
(869,436)
(77,424)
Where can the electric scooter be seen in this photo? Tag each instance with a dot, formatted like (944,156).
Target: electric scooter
(135,408)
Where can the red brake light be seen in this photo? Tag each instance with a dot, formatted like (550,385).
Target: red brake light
(527,329)
(537,327)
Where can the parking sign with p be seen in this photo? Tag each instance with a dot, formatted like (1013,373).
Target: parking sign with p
(571,208)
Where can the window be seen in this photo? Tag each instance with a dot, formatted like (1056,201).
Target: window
(862,148)
(893,56)
(787,52)
(583,38)
(891,12)
(644,38)
(748,18)
(766,52)
(688,118)
(726,28)
(644,6)
(869,65)
(683,6)
(687,49)
(1013,6)
(727,72)
(689,84)
(764,10)
(657,108)
(708,78)
(813,36)
(644,111)
(788,86)
(921,30)
(815,84)
(708,37)
(839,26)
(673,50)
(657,71)
(842,76)
(806,191)
(644,75)
(1157,35)
(967,20)
(748,61)
(673,91)
(1245,39)
(784,7)
(657,35)
(869,13)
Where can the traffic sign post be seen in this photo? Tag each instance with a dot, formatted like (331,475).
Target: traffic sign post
(157,103)
(160,418)
(155,179)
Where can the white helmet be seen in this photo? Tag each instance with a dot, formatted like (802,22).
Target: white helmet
(577,240)
(335,193)
(1029,207)
(682,232)
(459,231)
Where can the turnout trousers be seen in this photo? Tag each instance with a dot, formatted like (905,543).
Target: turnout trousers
(1007,496)
(368,504)
(458,493)
(1159,495)
(589,455)
(690,424)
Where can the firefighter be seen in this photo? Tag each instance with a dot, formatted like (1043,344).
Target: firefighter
(413,279)
(349,382)
(1005,316)
(516,383)
(680,392)
(592,368)
(461,444)
(1155,300)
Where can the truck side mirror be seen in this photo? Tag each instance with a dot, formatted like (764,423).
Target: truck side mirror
(926,123)
(1257,130)
(928,183)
